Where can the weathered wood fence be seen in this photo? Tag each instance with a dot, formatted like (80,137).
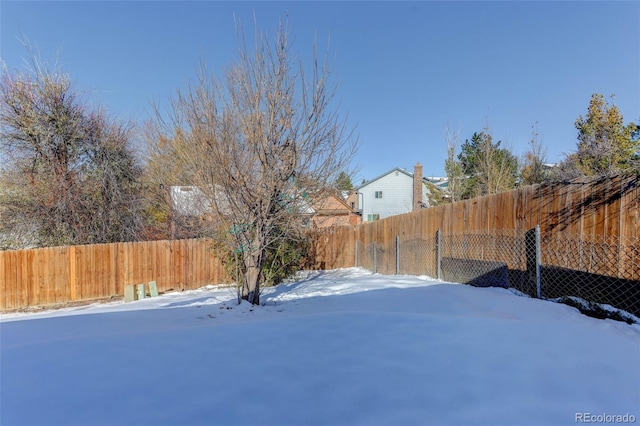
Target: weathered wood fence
(52,275)
(603,210)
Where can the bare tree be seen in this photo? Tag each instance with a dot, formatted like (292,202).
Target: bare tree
(566,170)
(533,169)
(70,174)
(165,175)
(497,168)
(260,146)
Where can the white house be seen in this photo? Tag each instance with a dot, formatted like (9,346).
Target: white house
(189,201)
(395,192)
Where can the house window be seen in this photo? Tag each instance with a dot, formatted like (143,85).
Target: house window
(353,205)
(371,217)
(378,194)
(306,222)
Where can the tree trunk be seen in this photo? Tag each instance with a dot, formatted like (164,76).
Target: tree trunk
(251,285)
(253,267)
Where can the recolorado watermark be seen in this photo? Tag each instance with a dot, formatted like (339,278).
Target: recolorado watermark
(605,418)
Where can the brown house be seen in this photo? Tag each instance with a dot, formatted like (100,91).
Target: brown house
(332,210)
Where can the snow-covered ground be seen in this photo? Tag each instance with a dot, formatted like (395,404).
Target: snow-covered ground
(339,347)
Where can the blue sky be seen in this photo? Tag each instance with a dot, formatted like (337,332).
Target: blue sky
(405,69)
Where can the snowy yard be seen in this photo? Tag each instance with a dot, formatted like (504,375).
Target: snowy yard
(338,348)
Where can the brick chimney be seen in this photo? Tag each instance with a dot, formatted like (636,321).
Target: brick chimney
(417,186)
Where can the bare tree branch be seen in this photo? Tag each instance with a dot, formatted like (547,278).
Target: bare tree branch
(260,146)
(73,172)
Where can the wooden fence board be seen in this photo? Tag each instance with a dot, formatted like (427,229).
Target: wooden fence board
(95,288)
(500,212)
(98,254)
(189,261)
(85,290)
(598,191)
(521,198)
(544,199)
(612,227)
(532,217)
(136,255)
(202,266)
(14,277)
(575,209)
(151,262)
(43,277)
(72,293)
(103,263)
(85,268)
(588,211)
(88,288)
(461,222)
(485,214)
(145,264)
(158,261)
(167,268)
(54,293)
(111,270)
(28,276)
(196,262)
(629,208)
(119,272)
(613,207)
(23,296)
(43,295)
(7,268)
(134,258)
(4,284)
(62,268)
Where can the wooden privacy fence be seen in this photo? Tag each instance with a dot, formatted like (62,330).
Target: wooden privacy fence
(52,275)
(606,210)
(603,215)
(587,244)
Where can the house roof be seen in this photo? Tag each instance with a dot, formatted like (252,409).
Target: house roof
(395,169)
(332,203)
(189,201)
(328,203)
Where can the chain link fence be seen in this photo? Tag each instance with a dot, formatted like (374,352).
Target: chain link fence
(603,270)
(562,267)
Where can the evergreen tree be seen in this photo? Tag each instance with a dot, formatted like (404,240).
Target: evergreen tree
(343,182)
(606,145)
(489,168)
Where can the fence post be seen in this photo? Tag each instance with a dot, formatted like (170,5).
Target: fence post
(397,254)
(439,254)
(356,259)
(375,258)
(538,262)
